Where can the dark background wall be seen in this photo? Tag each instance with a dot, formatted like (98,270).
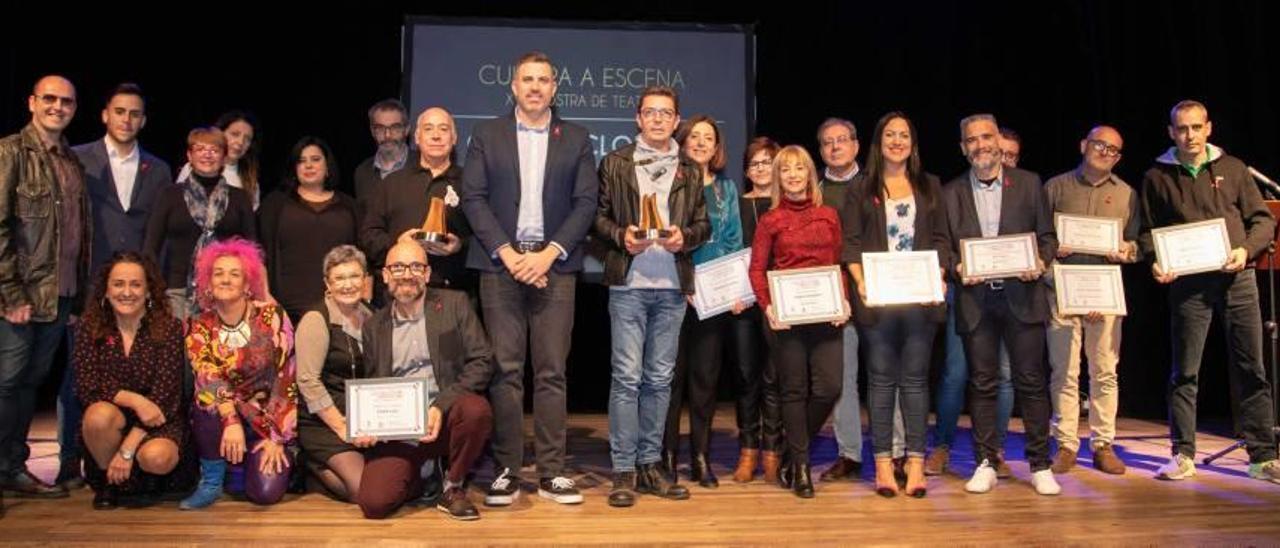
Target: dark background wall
(1050,70)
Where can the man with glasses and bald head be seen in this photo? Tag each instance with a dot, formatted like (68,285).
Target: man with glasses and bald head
(1090,189)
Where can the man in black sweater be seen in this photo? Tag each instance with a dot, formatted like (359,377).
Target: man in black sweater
(1196,181)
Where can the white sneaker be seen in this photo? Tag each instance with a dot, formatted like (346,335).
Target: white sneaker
(1044,482)
(1266,471)
(1179,467)
(984,479)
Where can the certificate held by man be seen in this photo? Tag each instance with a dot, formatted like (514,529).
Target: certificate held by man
(721,283)
(1088,234)
(387,408)
(1192,248)
(807,295)
(903,277)
(1086,289)
(998,257)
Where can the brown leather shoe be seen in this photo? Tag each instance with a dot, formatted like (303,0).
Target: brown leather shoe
(1002,468)
(746,470)
(24,484)
(1106,460)
(454,503)
(843,468)
(1064,461)
(769,462)
(938,460)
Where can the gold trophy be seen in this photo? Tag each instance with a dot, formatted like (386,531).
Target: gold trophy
(433,229)
(651,226)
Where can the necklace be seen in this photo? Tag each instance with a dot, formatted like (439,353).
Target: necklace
(235,336)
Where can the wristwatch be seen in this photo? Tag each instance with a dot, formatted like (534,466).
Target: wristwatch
(126,454)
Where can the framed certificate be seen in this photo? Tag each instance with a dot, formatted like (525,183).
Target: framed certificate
(1088,235)
(906,277)
(807,295)
(720,282)
(1192,248)
(1082,289)
(998,257)
(389,408)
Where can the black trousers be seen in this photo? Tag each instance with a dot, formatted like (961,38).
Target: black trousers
(810,361)
(1025,342)
(697,372)
(1194,301)
(759,417)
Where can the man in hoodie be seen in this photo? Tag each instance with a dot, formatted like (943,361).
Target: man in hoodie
(1197,181)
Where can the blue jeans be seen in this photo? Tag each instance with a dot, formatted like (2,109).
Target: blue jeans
(899,348)
(848,417)
(26,356)
(70,412)
(955,382)
(645,328)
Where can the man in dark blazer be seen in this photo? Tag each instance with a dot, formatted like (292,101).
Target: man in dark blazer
(431,334)
(991,200)
(122,181)
(529,193)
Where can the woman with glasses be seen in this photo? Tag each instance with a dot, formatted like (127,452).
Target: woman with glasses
(759,422)
(240,166)
(195,213)
(329,353)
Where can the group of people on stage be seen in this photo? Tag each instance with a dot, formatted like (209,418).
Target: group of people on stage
(213,332)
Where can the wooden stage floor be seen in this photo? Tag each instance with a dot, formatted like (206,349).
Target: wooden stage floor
(1222,506)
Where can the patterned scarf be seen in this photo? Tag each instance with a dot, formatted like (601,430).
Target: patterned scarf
(206,210)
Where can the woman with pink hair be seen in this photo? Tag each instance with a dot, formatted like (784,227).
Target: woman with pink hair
(242,353)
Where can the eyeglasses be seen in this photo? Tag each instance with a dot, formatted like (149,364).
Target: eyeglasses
(49,99)
(379,129)
(1011,156)
(205,149)
(1101,147)
(399,269)
(661,114)
(760,164)
(837,141)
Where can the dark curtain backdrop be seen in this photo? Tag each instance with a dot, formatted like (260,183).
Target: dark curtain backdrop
(1050,70)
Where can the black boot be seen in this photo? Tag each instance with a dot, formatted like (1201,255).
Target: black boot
(700,471)
(785,471)
(802,483)
(650,480)
(669,465)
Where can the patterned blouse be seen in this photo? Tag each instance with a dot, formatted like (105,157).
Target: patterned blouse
(257,376)
(900,223)
(153,370)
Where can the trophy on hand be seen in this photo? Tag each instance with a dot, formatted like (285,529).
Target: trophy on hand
(433,229)
(651,226)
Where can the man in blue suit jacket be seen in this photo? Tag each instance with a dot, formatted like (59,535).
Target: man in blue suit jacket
(529,191)
(122,181)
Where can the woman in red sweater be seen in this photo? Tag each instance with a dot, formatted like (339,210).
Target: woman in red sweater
(800,232)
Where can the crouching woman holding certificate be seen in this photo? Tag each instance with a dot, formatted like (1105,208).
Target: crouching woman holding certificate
(798,232)
(894,209)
